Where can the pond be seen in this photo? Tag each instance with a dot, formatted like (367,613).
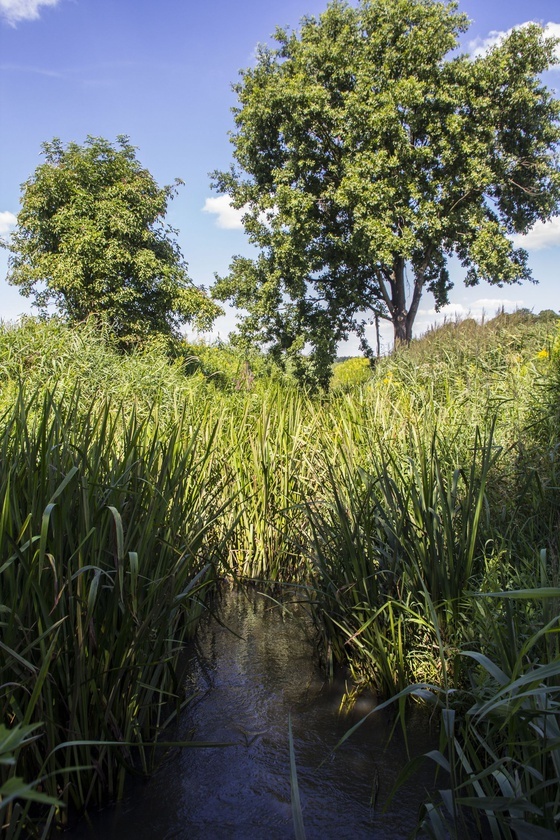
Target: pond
(251,668)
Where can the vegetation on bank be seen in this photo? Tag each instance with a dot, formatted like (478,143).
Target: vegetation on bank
(418,508)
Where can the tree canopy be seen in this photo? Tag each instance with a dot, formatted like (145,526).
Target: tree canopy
(91,238)
(367,152)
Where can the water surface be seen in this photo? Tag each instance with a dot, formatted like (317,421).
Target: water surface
(249,673)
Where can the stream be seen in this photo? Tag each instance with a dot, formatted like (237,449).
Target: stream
(246,684)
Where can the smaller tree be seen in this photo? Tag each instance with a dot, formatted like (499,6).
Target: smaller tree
(91,239)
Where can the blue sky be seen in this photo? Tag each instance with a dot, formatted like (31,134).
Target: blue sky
(161,73)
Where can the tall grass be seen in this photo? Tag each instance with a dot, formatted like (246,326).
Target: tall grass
(17,794)
(108,540)
(388,538)
(273,466)
(441,522)
(500,737)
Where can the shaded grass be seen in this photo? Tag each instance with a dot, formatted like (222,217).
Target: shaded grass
(500,738)
(109,539)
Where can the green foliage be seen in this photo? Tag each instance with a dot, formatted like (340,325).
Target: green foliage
(228,367)
(91,239)
(272,455)
(365,151)
(16,794)
(61,356)
(391,536)
(500,739)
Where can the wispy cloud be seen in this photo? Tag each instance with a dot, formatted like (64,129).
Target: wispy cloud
(228,217)
(7,222)
(27,68)
(14,11)
(480,46)
(111,68)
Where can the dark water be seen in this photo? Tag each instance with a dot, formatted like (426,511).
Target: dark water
(247,684)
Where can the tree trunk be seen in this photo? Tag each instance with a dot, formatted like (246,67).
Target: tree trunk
(398,300)
(403,318)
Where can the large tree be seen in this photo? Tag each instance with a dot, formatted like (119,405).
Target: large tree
(367,152)
(91,238)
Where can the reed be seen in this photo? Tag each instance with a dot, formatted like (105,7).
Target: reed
(108,540)
(270,450)
(17,794)
(386,539)
(500,739)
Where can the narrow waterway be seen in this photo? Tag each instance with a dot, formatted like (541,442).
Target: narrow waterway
(251,670)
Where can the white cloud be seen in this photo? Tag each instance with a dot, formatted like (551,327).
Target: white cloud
(228,217)
(7,222)
(427,318)
(494,304)
(15,10)
(542,235)
(480,46)
(477,309)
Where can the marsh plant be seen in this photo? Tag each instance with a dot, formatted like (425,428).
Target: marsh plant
(417,509)
(390,538)
(499,753)
(108,541)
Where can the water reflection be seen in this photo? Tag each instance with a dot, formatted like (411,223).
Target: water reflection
(247,682)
